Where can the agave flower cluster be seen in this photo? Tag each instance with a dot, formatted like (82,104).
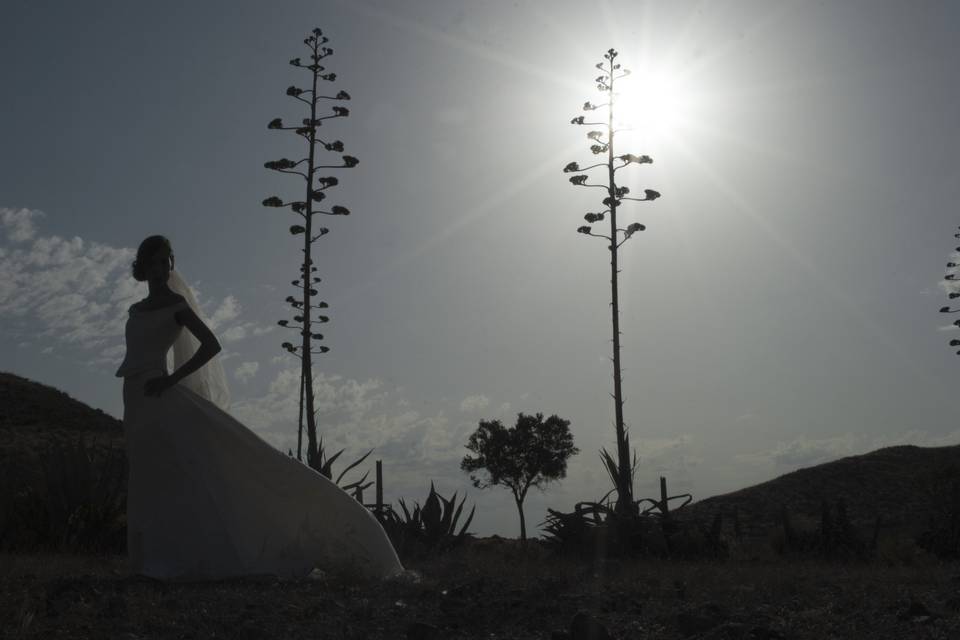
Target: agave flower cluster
(951,282)
(603,143)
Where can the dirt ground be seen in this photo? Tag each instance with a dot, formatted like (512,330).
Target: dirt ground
(493,591)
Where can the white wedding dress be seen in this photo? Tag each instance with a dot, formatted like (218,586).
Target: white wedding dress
(208,498)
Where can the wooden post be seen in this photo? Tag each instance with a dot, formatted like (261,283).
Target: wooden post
(358,494)
(379,487)
(664,507)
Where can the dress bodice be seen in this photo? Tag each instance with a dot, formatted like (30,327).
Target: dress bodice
(149,336)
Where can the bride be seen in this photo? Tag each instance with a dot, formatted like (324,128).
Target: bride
(207,497)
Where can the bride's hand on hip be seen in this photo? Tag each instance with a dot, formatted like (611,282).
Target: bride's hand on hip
(156,386)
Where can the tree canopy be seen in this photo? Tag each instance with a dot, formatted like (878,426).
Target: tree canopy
(530,454)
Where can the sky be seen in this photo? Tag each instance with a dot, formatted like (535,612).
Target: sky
(779,311)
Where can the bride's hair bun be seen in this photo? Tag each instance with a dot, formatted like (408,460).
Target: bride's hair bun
(147,248)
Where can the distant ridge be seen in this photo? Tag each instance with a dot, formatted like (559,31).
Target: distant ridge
(29,405)
(902,484)
(34,416)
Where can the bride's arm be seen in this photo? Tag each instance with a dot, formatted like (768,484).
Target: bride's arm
(209,345)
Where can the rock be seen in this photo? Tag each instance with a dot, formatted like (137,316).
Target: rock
(422,631)
(451,606)
(740,631)
(680,588)
(765,633)
(115,607)
(700,620)
(728,631)
(917,612)
(407,577)
(586,627)
(952,603)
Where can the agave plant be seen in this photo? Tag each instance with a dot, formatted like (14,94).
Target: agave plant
(659,507)
(432,526)
(313,159)
(326,468)
(86,490)
(941,535)
(76,502)
(835,539)
(613,194)
(599,528)
(568,532)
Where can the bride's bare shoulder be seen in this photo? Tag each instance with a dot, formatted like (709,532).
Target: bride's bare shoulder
(148,305)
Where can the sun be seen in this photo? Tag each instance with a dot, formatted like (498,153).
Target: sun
(652,105)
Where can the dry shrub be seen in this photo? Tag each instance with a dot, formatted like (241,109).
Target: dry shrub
(76,503)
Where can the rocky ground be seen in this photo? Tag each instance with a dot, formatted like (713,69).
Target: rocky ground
(492,591)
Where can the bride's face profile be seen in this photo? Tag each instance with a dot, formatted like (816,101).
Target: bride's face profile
(159,266)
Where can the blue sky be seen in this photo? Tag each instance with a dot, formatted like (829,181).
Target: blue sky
(779,311)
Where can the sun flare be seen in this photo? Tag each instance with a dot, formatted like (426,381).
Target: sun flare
(651,105)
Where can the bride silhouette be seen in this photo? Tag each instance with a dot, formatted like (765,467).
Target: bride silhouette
(207,497)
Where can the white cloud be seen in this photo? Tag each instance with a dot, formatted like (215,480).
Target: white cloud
(227,354)
(227,310)
(807,452)
(61,290)
(917,437)
(358,416)
(233,334)
(241,331)
(76,292)
(246,370)
(114,351)
(675,458)
(17,225)
(474,403)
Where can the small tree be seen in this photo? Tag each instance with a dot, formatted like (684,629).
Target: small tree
(530,454)
(603,145)
(952,285)
(315,192)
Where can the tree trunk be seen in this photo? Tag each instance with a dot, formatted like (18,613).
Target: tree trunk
(313,457)
(523,522)
(300,423)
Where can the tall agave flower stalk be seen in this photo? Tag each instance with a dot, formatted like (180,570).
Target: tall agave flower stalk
(315,194)
(953,287)
(603,144)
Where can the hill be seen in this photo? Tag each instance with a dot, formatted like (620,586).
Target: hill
(26,405)
(34,416)
(903,485)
